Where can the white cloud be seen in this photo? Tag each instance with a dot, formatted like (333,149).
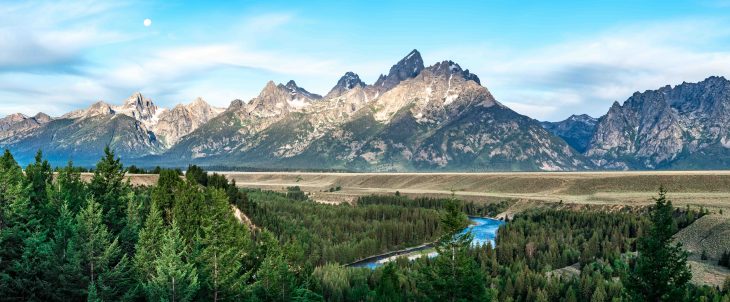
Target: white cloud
(51,36)
(586,75)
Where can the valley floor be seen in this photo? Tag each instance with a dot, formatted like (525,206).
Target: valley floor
(710,189)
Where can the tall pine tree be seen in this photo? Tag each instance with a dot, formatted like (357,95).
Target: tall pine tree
(109,188)
(222,249)
(101,258)
(163,194)
(70,188)
(39,177)
(661,272)
(454,275)
(175,277)
(148,248)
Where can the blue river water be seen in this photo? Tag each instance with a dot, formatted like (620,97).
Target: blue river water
(483,229)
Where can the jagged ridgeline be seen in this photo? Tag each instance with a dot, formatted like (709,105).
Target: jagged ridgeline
(682,127)
(414,118)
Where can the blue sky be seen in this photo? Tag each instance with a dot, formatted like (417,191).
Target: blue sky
(545,59)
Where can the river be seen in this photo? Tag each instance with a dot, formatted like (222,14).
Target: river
(483,229)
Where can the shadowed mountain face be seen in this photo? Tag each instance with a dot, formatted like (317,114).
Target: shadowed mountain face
(577,130)
(415,118)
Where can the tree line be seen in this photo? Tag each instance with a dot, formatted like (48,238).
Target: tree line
(63,239)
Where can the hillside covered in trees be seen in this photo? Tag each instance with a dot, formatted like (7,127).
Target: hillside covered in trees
(63,239)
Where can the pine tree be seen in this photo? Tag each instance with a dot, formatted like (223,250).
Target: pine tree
(188,205)
(11,176)
(109,188)
(222,252)
(274,279)
(197,175)
(175,277)
(164,192)
(38,177)
(388,288)
(24,252)
(68,276)
(454,275)
(101,257)
(30,270)
(147,249)
(661,272)
(599,294)
(70,188)
(129,235)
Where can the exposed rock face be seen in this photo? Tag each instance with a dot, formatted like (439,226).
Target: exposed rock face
(407,68)
(686,126)
(16,123)
(183,119)
(298,93)
(276,100)
(577,130)
(416,118)
(10,120)
(139,108)
(346,83)
(42,118)
(99,108)
(136,106)
(136,128)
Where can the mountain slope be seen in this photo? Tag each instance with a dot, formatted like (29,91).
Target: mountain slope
(14,124)
(131,129)
(576,130)
(439,118)
(681,127)
(83,140)
(171,125)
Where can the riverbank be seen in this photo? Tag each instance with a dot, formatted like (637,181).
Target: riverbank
(484,230)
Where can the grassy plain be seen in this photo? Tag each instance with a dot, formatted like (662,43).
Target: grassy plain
(706,188)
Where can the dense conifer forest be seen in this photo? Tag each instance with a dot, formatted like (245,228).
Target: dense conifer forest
(63,239)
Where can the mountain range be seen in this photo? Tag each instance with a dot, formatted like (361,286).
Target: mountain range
(414,118)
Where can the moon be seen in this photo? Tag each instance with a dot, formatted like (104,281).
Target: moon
(147,22)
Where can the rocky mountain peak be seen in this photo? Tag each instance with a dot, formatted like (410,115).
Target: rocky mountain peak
(348,81)
(584,118)
(18,122)
(576,130)
(199,104)
(10,120)
(42,117)
(448,68)
(139,107)
(299,93)
(272,101)
(236,104)
(270,86)
(291,85)
(99,108)
(407,68)
(667,127)
(15,117)
(183,119)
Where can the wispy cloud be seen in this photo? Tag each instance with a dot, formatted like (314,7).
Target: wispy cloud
(51,36)
(588,74)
